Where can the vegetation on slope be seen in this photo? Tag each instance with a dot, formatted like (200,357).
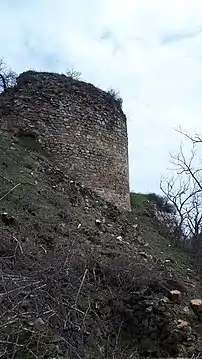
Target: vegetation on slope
(80,279)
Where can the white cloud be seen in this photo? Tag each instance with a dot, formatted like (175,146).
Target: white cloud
(148,49)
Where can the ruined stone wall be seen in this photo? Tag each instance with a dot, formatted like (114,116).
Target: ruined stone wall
(79,124)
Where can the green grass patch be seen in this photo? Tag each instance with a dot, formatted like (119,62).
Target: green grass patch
(139,202)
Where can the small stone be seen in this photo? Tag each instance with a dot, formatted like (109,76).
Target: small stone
(148,309)
(31,323)
(175,296)
(196,305)
(39,323)
(186,310)
(164,300)
(120,238)
(182,324)
(105,310)
(196,302)
(6,219)
(97,221)
(145,255)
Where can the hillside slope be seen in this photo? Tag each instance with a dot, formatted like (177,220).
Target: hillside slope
(79,278)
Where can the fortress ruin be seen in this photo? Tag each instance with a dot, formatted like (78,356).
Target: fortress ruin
(83,127)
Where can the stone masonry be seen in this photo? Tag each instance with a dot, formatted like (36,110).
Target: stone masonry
(82,126)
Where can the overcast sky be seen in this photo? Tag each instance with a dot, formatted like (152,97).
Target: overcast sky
(150,50)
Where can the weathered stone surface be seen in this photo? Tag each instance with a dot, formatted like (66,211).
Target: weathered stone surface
(81,126)
(175,296)
(196,305)
(182,324)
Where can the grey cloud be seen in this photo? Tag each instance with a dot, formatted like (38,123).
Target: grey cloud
(176,37)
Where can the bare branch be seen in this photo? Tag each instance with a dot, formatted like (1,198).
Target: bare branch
(11,190)
(80,287)
(7,76)
(184,191)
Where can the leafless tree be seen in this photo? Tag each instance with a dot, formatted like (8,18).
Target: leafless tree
(7,76)
(184,191)
(73,74)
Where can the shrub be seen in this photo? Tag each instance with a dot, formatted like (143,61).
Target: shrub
(73,74)
(114,96)
(139,202)
(161,203)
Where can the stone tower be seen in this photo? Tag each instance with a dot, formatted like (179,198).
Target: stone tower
(81,125)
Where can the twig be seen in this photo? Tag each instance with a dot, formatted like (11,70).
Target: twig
(80,287)
(85,314)
(77,310)
(6,342)
(15,306)
(2,354)
(21,250)
(34,355)
(44,249)
(7,179)
(10,321)
(71,346)
(14,351)
(12,189)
